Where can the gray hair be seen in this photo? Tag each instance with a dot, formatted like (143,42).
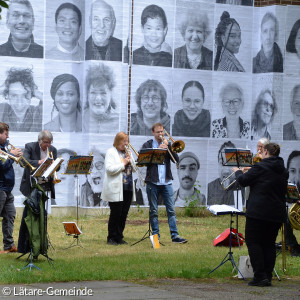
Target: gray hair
(45,134)
(232,86)
(265,141)
(23,2)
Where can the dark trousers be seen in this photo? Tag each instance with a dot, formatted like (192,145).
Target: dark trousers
(118,216)
(260,238)
(290,239)
(8,212)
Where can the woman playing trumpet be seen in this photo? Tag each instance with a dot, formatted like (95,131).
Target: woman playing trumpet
(118,187)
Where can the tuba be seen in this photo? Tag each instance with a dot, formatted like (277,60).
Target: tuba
(294,216)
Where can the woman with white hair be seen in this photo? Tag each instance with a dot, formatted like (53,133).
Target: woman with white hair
(194,28)
(232,125)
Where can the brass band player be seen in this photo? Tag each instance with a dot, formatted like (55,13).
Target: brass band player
(7,181)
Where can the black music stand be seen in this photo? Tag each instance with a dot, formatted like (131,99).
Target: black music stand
(225,210)
(77,165)
(146,157)
(237,157)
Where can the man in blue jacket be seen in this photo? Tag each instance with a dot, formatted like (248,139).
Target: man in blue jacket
(7,182)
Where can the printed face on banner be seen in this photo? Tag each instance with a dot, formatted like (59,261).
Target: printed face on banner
(268,35)
(96,177)
(187,172)
(67,27)
(232,103)
(296,105)
(19,97)
(192,102)
(266,109)
(20,21)
(232,38)
(99,99)
(154,34)
(294,171)
(194,37)
(151,104)
(67,98)
(102,23)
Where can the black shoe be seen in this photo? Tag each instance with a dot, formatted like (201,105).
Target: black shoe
(122,242)
(179,240)
(112,242)
(261,282)
(295,251)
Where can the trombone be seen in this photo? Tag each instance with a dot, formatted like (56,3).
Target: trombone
(132,162)
(177,146)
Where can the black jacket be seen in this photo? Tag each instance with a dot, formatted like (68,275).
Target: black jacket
(32,153)
(152,170)
(268,183)
(7,174)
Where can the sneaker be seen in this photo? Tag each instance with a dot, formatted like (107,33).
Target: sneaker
(179,240)
(112,242)
(261,282)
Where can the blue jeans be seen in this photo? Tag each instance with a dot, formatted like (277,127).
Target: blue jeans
(166,191)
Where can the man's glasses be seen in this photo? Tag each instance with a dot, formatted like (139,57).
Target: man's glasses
(17,15)
(146,98)
(234,102)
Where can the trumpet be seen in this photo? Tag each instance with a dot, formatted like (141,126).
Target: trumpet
(22,161)
(132,162)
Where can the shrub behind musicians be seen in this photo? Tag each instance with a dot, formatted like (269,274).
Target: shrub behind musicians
(118,187)
(265,211)
(159,181)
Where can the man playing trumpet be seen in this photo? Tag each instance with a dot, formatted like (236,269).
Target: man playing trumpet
(7,182)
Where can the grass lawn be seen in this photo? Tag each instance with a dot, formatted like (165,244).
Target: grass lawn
(99,261)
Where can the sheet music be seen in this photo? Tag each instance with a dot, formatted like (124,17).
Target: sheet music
(220,209)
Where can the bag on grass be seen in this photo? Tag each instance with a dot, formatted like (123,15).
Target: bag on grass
(245,267)
(223,238)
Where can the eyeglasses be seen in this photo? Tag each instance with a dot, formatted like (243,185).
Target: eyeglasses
(234,102)
(146,99)
(47,142)
(267,105)
(17,15)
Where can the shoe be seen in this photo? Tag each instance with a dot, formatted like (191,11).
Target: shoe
(122,242)
(261,282)
(112,242)
(179,240)
(12,249)
(295,251)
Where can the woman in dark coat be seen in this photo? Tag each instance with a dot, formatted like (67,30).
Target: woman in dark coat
(265,211)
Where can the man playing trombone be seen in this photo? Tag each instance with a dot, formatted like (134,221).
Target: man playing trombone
(159,181)
(7,181)
(36,153)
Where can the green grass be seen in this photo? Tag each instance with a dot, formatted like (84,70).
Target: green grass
(99,261)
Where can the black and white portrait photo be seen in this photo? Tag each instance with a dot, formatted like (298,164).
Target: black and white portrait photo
(267,30)
(233,38)
(151,46)
(92,187)
(191,104)
(150,101)
(234,100)
(63,94)
(193,34)
(21,105)
(291,129)
(65,30)
(266,107)
(102,92)
(236,2)
(22,36)
(292,54)
(222,189)
(104,30)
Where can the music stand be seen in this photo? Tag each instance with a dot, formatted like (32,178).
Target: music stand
(146,157)
(224,210)
(237,157)
(77,165)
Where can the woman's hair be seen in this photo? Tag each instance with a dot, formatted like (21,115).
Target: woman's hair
(193,83)
(290,45)
(270,16)
(151,85)
(228,144)
(153,12)
(293,93)
(194,17)
(225,21)
(65,150)
(229,87)
(58,81)
(119,137)
(273,149)
(260,99)
(293,154)
(98,76)
(24,76)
